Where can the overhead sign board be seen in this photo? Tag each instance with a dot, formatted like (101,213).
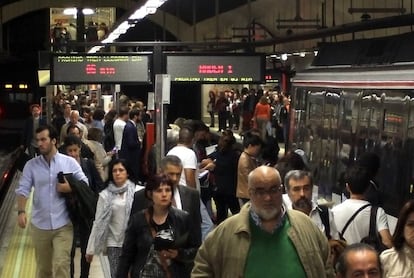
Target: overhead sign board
(216,68)
(100,68)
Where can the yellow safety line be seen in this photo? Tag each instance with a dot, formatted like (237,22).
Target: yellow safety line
(20,260)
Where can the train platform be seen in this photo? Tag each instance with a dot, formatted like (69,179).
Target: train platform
(17,257)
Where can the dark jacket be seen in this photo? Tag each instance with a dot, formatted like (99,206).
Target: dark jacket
(81,202)
(225,172)
(131,148)
(95,181)
(190,202)
(138,240)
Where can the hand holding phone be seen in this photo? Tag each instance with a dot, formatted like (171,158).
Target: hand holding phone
(62,185)
(61,178)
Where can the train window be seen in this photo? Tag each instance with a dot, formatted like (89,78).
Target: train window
(393,123)
(410,132)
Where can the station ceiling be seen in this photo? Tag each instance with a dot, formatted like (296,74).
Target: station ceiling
(193,11)
(189,11)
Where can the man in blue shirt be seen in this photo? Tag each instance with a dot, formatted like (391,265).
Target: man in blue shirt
(51,228)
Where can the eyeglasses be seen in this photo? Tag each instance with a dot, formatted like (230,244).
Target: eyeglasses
(261,193)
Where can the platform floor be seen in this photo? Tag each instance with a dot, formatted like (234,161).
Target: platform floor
(17,258)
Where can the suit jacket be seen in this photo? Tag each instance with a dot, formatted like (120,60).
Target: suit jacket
(131,148)
(190,202)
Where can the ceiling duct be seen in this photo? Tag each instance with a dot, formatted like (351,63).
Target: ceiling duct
(368,10)
(374,24)
(298,22)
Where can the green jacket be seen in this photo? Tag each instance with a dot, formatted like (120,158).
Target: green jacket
(223,253)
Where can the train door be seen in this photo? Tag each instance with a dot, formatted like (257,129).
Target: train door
(368,130)
(347,127)
(409,147)
(328,159)
(300,134)
(315,108)
(393,152)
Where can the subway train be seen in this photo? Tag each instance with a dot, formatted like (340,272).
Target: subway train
(352,101)
(19,88)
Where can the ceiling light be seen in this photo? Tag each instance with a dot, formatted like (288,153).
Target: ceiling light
(150,7)
(74,11)
(151,10)
(284,57)
(88,11)
(70,11)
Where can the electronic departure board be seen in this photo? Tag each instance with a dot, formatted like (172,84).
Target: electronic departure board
(216,69)
(100,68)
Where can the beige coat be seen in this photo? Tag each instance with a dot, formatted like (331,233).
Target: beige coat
(223,254)
(101,158)
(398,264)
(246,164)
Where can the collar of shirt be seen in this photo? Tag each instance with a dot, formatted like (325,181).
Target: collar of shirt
(315,208)
(258,222)
(133,122)
(177,198)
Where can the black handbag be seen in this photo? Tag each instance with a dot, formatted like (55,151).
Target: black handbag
(152,268)
(155,266)
(374,238)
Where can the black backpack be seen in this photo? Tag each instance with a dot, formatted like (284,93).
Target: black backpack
(109,139)
(374,238)
(324,214)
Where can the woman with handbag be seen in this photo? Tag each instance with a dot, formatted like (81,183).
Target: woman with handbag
(112,215)
(399,260)
(157,241)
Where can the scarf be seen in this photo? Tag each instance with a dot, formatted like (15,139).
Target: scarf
(101,224)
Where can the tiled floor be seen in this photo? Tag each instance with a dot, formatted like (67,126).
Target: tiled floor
(95,270)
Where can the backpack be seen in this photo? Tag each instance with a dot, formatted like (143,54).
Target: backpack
(324,215)
(374,238)
(109,138)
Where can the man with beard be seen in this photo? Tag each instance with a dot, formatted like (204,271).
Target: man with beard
(51,227)
(264,239)
(298,184)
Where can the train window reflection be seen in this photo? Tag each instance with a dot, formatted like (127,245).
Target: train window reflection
(393,123)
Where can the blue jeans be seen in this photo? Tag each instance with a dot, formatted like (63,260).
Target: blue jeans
(206,222)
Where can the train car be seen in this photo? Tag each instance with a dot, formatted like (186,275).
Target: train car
(19,88)
(340,111)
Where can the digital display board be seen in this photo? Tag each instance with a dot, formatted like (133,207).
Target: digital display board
(100,68)
(216,68)
(273,76)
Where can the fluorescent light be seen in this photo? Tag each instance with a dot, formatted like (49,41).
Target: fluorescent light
(151,10)
(70,11)
(150,7)
(138,14)
(74,11)
(88,11)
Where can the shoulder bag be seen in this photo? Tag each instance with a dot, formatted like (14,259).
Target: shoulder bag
(341,234)
(155,266)
(374,238)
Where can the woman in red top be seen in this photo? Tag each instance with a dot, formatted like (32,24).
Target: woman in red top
(261,115)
